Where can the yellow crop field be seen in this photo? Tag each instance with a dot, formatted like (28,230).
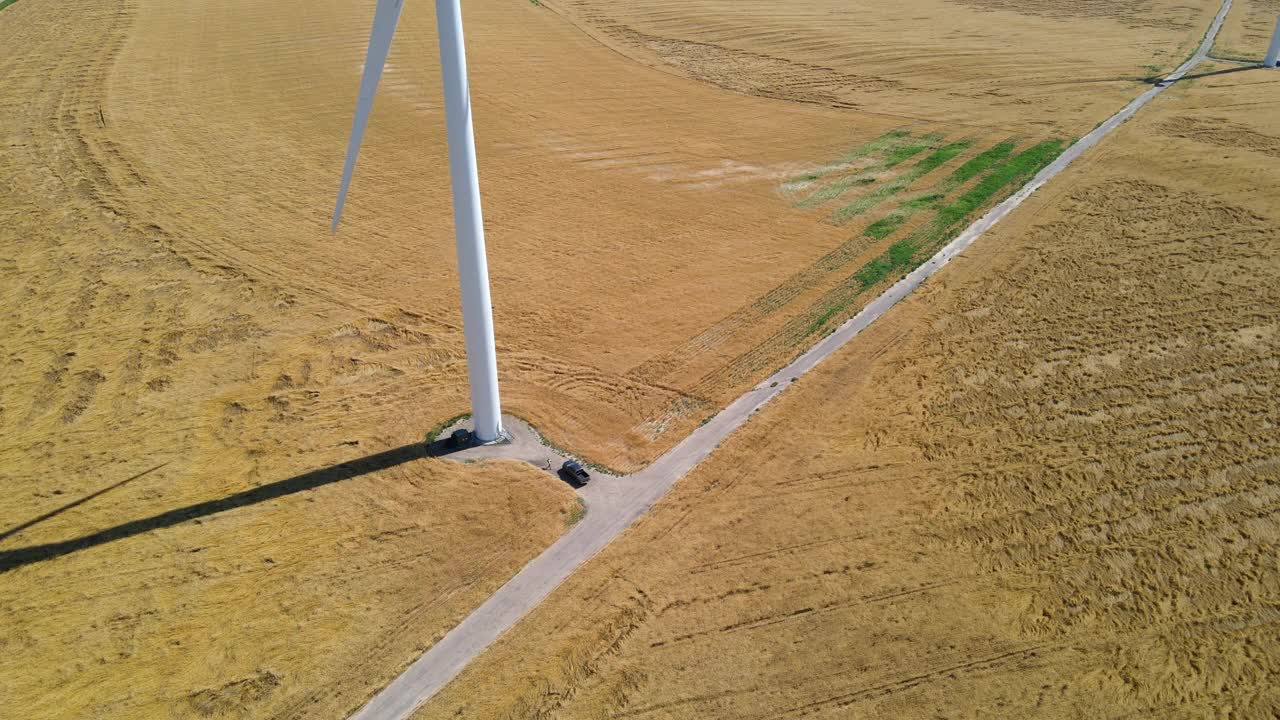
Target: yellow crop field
(1045,479)
(1045,488)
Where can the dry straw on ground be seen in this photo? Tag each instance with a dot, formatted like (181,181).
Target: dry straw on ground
(1046,487)
(174,302)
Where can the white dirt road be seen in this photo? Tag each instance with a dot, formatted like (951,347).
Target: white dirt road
(617,502)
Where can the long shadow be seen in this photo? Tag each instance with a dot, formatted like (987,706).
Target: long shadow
(54,513)
(1150,79)
(1244,68)
(11,559)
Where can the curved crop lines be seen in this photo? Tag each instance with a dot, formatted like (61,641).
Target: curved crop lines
(932,198)
(889,139)
(895,153)
(932,162)
(887,243)
(904,255)
(885,247)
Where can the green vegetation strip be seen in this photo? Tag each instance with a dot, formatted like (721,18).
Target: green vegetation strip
(576,513)
(932,162)
(1021,168)
(905,255)
(900,258)
(6,3)
(847,251)
(889,224)
(893,157)
(889,139)
(977,165)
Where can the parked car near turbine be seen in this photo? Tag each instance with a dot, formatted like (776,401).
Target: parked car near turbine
(574,474)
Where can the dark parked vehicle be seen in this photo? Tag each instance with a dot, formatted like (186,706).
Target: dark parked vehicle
(459,439)
(573,472)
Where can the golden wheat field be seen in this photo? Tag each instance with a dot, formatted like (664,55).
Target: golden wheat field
(1248,30)
(1043,486)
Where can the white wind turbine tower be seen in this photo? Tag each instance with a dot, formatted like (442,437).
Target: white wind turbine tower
(1273,52)
(473,271)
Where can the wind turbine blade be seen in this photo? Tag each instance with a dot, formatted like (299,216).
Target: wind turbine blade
(385,19)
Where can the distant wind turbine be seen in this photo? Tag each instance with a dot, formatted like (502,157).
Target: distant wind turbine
(473,271)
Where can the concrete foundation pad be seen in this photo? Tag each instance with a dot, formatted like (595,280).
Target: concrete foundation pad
(523,444)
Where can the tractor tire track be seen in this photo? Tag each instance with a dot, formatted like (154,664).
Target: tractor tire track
(447,658)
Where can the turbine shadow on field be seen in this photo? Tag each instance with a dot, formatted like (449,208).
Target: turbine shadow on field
(11,559)
(1159,80)
(54,513)
(1149,79)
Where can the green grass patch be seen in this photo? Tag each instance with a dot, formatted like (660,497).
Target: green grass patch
(898,259)
(931,200)
(1022,166)
(6,3)
(932,161)
(885,226)
(899,155)
(895,156)
(975,166)
(942,156)
(819,323)
(889,224)
(888,140)
(906,255)
(440,427)
(576,513)
(981,163)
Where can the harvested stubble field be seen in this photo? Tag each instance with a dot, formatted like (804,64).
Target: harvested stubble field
(1046,487)
(190,358)
(1248,30)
